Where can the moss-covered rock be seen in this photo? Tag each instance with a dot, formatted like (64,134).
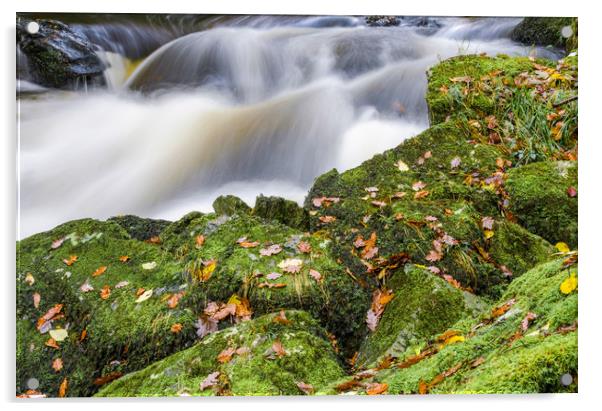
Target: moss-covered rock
(256,370)
(542,31)
(109,329)
(423,305)
(526,344)
(245,250)
(230,205)
(141,228)
(419,193)
(542,201)
(284,211)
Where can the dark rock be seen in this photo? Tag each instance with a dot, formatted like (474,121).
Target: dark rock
(382,21)
(284,211)
(542,31)
(230,205)
(58,57)
(141,228)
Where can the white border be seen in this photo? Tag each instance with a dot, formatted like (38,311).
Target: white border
(590,76)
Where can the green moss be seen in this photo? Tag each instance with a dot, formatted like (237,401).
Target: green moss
(539,199)
(423,305)
(309,358)
(336,299)
(284,211)
(229,205)
(140,228)
(542,31)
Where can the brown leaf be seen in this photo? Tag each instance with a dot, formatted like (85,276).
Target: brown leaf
(347,385)
(57,364)
(105,292)
(421,194)
(433,256)
(226,355)
(210,381)
(501,310)
(51,343)
(304,247)
(423,387)
(376,388)
(327,219)
(278,349)
(524,325)
(57,243)
(249,244)
(306,388)
(477,362)
(154,240)
(281,318)
(124,258)
(50,314)
(107,378)
(571,191)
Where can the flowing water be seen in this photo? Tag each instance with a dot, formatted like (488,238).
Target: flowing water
(240,105)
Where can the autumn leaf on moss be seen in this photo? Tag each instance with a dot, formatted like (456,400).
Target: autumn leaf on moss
(375,388)
(562,247)
(57,364)
(308,389)
(36,299)
(315,275)
(99,271)
(124,258)
(570,284)
(69,261)
(51,342)
(210,381)
(226,355)
(63,388)
(271,250)
(50,315)
(176,328)
(278,349)
(304,247)
(199,240)
(105,292)
(327,219)
(291,265)
(281,318)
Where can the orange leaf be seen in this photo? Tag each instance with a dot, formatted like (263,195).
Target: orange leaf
(176,328)
(83,335)
(154,240)
(105,292)
(70,260)
(423,387)
(107,378)
(50,314)
(172,302)
(63,388)
(199,240)
(124,258)
(376,388)
(99,271)
(420,194)
(51,343)
(249,244)
(226,355)
(278,348)
(281,318)
(327,219)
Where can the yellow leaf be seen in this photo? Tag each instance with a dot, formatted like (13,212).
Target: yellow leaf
(402,166)
(569,285)
(454,339)
(562,247)
(59,334)
(488,234)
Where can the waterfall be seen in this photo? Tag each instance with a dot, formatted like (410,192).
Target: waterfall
(248,105)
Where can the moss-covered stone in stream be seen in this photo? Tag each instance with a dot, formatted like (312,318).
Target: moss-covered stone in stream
(121,335)
(230,205)
(380,197)
(542,31)
(540,199)
(423,305)
(240,269)
(506,354)
(284,211)
(309,359)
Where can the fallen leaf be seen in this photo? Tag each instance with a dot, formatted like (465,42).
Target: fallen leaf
(57,364)
(176,328)
(83,335)
(316,275)
(122,284)
(524,325)
(124,258)
(145,296)
(57,243)
(226,355)
(291,265)
(50,314)
(281,318)
(327,201)
(29,279)
(421,194)
(571,192)
(63,388)
(562,247)
(569,285)
(433,255)
(278,349)
(376,388)
(271,250)
(273,276)
(99,271)
(205,326)
(455,162)
(69,261)
(172,302)
(105,292)
(327,219)
(154,240)
(487,223)
(86,287)
(149,266)
(422,387)
(347,385)
(477,362)
(308,389)
(209,381)
(304,247)
(199,240)
(418,185)
(501,310)
(51,342)
(378,203)
(402,166)
(249,244)
(36,299)
(488,234)
(105,379)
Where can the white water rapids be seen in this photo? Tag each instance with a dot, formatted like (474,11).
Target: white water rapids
(256,105)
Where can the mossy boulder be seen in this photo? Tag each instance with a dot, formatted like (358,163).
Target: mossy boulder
(141,228)
(282,210)
(423,305)
(526,347)
(542,31)
(418,193)
(249,257)
(257,370)
(542,200)
(109,329)
(230,205)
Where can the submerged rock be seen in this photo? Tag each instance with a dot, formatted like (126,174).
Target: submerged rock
(256,365)
(58,57)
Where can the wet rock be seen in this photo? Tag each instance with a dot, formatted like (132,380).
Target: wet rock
(284,211)
(230,205)
(141,228)
(58,57)
(542,31)
(382,21)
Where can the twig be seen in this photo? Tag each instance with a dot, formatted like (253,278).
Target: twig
(567,100)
